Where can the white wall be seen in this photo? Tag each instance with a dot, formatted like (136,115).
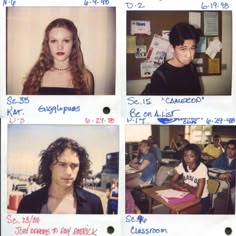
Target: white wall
(96,29)
(213,85)
(136,133)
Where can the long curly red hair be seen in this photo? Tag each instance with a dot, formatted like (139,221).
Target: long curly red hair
(45,61)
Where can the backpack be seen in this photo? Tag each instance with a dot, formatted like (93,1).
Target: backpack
(147,89)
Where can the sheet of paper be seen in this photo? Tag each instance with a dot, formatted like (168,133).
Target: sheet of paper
(140,27)
(214,47)
(131,44)
(213,66)
(158,49)
(165,34)
(211,26)
(147,68)
(141,51)
(195,19)
(168,193)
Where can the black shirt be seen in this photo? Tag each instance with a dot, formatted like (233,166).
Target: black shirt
(176,81)
(87,203)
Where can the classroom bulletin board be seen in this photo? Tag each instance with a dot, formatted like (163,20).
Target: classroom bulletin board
(209,24)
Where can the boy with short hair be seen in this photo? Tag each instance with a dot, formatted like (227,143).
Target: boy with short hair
(178,76)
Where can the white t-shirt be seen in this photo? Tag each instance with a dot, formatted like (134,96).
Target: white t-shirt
(191,178)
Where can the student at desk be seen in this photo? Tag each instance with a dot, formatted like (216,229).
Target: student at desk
(227,161)
(154,148)
(145,164)
(195,175)
(213,149)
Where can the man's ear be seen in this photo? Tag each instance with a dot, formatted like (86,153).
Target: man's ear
(172,49)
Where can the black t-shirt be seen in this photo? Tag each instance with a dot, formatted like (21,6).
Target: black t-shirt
(178,80)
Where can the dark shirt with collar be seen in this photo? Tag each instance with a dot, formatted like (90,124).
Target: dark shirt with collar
(222,162)
(87,203)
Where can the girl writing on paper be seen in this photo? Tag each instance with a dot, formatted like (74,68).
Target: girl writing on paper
(195,176)
(60,68)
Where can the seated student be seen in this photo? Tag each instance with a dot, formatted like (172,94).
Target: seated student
(213,149)
(227,161)
(178,76)
(179,152)
(154,148)
(146,164)
(176,144)
(195,176)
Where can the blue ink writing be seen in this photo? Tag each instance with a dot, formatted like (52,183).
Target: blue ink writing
(183,120)
(136,120)
(183,100)
(220,120)
(11,2)
(215,5)
(141,219)
(14,112)
(96,2)
(20,100)
(165,113)
(151,231)
(58,108)
(130,5)
(134,101)
(133,113)
(134,219)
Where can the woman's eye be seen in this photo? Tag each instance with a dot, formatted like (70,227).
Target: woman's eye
(67,40)
(53,41)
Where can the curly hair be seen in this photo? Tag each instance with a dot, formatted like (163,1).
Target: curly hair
(45,61)
(196,150)
(54,150)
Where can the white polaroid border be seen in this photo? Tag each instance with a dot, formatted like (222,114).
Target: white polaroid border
(210,110)
(41,134)
(181,110)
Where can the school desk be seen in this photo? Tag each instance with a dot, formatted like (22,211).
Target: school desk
(178,208)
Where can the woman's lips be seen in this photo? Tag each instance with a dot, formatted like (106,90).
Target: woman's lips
(60,53)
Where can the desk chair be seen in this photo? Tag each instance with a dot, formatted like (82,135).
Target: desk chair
(215,187)
(163,173)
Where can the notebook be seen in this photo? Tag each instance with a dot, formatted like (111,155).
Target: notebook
(173,197)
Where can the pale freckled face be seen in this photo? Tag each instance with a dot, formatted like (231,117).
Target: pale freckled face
(60,43)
